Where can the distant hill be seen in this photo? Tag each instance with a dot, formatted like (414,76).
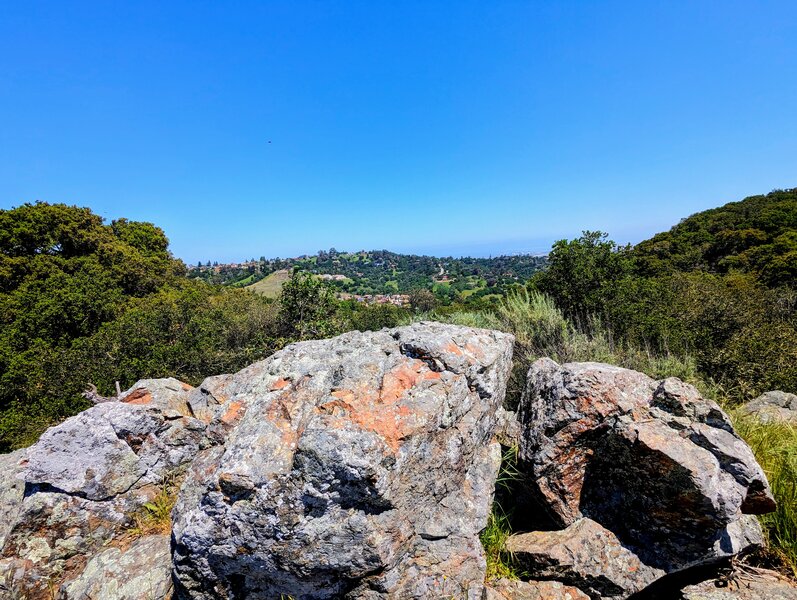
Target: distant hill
(383,272)
(755,235)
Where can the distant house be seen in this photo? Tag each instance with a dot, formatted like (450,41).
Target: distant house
(394,299)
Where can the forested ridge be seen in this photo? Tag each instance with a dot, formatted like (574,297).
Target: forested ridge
(451,280)
(756,235)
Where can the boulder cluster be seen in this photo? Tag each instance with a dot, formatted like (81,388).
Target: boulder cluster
(364,467)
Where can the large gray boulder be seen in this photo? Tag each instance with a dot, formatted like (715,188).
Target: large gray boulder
(12,490)
(360,467)
(84,480)
(652,462)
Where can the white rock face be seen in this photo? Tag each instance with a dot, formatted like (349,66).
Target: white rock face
(11,490)
(140,572)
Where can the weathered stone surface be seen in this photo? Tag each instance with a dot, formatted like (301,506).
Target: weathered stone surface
(111,448)
(208,398)
(585,555)
(505,589)
(140,572)
(773,406)
(652,461)
(359,467)
(745,585)
(168,394)
(508,430)
(83,481)
(11,490)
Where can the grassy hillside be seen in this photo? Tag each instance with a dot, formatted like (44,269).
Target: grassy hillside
(271,285)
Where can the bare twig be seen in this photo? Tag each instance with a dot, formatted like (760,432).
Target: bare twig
(92,395)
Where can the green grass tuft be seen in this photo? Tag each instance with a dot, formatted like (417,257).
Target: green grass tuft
(775,447)
(499,526)
(155,516)
(493,538)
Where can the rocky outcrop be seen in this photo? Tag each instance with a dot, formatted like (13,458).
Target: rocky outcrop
(650,468)
(363,467)
(745,584)
(774,406)
(359,467)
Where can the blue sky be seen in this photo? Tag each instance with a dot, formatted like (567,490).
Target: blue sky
(280,128)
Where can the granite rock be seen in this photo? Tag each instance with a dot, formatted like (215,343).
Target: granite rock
(653,462)
(360,467)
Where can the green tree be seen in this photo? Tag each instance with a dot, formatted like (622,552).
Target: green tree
(422,300)
(308,308)
(582,273)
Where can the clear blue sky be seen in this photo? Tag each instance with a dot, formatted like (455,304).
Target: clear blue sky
(440,127)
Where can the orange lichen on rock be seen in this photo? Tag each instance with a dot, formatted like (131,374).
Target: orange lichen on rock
(138,396)
(453,349)
(233,413)
(382,411)
(280,383)
(474,351)
(400,379)
(337,407)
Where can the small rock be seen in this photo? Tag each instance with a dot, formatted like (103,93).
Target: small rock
(585,555)
(758,584)
(167,394)
(773,406)
(508,430)
(505,589)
